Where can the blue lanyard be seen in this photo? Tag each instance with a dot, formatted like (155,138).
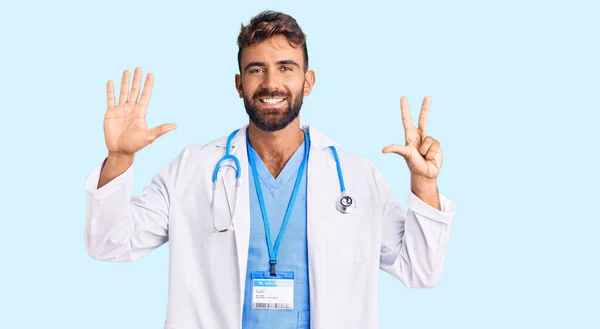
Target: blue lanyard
(274,249)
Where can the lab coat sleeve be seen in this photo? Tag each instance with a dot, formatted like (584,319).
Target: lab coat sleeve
(122,227)
(413,245)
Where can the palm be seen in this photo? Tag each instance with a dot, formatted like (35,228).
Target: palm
(125,129)
(421,152)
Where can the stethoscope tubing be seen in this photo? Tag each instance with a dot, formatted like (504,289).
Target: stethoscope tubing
(345,204)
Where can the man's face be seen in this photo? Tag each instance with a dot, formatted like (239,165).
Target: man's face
(273,82)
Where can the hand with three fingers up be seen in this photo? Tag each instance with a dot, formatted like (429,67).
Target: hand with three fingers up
(423,154)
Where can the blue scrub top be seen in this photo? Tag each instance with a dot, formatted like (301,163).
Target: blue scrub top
(292,255)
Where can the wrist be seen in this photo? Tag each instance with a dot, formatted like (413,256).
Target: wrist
(422,180)
(426,189)
(423,185)
(119,160)
(119,157)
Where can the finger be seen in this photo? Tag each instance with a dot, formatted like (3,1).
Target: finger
(424,114)
(110,94)
(124,88)
(158,131)
(406,119)
(135,87)
(398,149)
(433,150)
(427,142)
(146,93)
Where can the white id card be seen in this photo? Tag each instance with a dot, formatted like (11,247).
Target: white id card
(272,292)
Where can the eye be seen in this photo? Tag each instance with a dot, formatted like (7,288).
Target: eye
(286,68)
(255,71)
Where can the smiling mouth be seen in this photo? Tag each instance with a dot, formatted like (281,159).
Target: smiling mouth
(275,100)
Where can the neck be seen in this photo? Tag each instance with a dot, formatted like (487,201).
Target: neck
(275,148)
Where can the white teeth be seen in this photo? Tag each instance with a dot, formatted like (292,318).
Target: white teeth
(271,100)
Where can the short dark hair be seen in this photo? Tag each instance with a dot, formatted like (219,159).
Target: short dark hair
(267,24)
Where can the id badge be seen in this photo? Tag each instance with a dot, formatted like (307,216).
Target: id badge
(272,292)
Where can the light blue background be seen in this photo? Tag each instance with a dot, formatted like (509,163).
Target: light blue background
(515,104)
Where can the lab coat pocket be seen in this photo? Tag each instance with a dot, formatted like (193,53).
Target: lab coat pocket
(349,237)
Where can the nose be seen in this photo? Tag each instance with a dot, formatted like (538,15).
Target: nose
(271,80)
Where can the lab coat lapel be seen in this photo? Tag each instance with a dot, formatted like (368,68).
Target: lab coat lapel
(241,215)
(321,169)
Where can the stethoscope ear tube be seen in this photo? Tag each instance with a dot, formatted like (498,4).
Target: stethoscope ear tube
(346,203)
(238,173)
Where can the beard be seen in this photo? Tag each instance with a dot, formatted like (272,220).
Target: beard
(267,119)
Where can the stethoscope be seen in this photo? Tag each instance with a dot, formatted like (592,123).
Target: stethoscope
(345,204)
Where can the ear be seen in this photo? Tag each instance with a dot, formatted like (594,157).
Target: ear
(238,85)
(309,81)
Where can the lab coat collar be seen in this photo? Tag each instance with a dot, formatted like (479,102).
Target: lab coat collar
(318,140)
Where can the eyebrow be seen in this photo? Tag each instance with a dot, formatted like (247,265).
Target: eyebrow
(282,62)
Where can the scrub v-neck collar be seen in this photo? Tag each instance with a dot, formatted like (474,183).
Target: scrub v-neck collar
(288,172)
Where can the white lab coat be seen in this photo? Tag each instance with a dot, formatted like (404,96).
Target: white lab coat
(207,270)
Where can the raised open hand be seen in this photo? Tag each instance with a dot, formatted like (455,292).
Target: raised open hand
(422,153)
(125,129)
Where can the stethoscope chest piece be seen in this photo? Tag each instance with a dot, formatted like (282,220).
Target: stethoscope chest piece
(346,204)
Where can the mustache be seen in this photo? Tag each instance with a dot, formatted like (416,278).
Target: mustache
(270,93)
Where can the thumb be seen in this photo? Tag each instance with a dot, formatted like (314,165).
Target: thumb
(158,131)
(398,149)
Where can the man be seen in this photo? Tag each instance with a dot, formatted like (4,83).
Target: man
(297,241)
